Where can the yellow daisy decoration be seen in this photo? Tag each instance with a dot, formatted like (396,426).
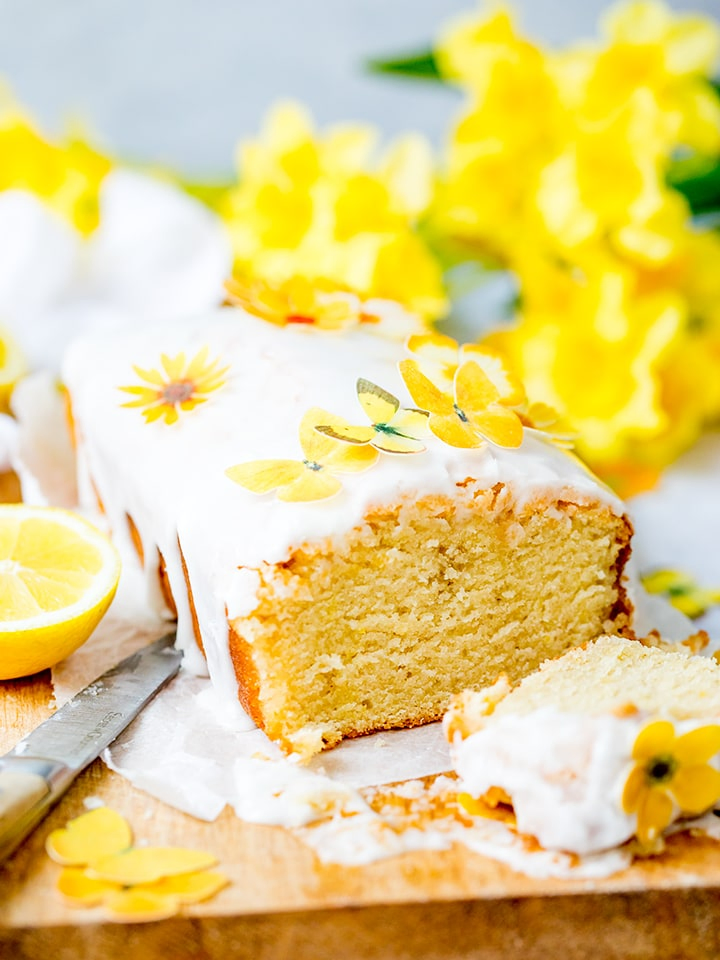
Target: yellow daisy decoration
(313,477)
(394,429)
(670,771)
(176,386)
(296,301)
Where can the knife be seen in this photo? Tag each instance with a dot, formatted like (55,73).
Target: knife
(38,771)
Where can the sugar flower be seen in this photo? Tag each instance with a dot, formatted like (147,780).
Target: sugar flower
(670,772)
(682,590)
(296,300)
(313,477)
(469,415)
(394,429)
(176,386)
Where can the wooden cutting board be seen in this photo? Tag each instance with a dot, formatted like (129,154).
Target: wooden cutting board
(283,903)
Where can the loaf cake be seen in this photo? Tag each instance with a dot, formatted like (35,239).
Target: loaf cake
(340,572)
(611,741)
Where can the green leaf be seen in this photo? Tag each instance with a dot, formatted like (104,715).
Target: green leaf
(420,66)
(698,180)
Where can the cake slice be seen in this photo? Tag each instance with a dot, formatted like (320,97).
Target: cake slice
(427,571)
(610,741)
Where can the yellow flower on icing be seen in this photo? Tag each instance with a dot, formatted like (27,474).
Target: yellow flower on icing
(297,300)
(322,207)
(313,477)
(467,391)
(682,591)
(394,429)
(471,414)
(670,772)
(176,386)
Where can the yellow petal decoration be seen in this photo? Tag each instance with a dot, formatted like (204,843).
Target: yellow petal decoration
(99,833)
(296,301)
(473,409)
(682,591)
(312,478)
(671,773)
(133,884)
(176,386)
(393,430)
(187,887)
(137,906)
(147,864)
(80,890)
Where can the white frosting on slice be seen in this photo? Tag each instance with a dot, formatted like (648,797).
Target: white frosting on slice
(171,478)
(565,773)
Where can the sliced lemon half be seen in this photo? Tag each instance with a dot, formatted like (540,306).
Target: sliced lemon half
(58,575)
(12,367)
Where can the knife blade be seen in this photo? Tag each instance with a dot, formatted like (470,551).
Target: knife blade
(39,769)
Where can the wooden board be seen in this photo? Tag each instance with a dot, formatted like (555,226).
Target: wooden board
(283,903)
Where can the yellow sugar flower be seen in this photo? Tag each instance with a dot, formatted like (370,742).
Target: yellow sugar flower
(682,590)
(469,415)
(544,420)
(176,386)
(438,358)
(325,208)
(296,300)
(313,477)
(670,771)
(394,429)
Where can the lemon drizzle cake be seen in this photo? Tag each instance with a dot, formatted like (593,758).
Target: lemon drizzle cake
(327,618)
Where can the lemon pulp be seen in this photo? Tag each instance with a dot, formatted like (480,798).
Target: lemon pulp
(58,575)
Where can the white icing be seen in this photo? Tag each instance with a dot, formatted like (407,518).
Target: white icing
(171,479)
(565,773)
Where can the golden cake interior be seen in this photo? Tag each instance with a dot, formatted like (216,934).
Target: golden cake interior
(425,598)
(614,673)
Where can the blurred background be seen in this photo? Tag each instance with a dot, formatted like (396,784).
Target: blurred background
(176,82)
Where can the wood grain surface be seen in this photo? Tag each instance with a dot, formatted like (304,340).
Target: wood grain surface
(284,903)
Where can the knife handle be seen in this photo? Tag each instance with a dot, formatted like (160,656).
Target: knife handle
(28,787)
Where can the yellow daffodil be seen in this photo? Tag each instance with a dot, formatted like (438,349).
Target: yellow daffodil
(323,208)
(682,590)
(176,386)
(508,131)
(469,415)
(313,477)
(393,430)
(598,364)
(670,772)
(67,176)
